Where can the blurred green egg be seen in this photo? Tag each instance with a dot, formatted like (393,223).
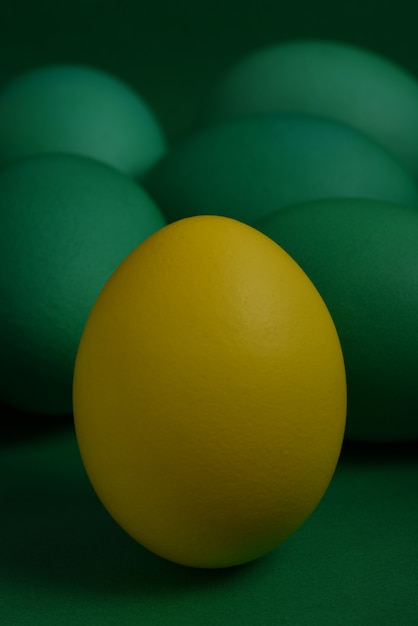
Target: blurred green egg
(332,79)
(362,256)
(79,110)
(66,223)
(250,167)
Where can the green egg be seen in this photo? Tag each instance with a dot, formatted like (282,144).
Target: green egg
(362,256)
(333,79)
(249,167)
(78,110)
(66,223)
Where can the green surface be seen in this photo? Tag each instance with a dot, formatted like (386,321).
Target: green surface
(64,561)
(77,109)
(327,78)
(66,222)
(249,167)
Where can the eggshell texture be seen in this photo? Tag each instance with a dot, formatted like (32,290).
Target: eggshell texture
(363,257)
(78,110)
(66,223)
(252,166)
(209,394)
(332,79)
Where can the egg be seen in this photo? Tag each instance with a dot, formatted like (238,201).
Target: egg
(209,394)
(66,222)
(362,256)
(250,167)
(353,85)
(80,110)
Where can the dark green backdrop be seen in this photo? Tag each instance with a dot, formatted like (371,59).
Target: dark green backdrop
(172,50)
(63,561)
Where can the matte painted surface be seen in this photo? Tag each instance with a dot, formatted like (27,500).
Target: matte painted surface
(209,394)
(249,167)
(66,223)
(350,84)
(79,110)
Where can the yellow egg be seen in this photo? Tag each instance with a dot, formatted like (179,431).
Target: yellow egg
(209,394)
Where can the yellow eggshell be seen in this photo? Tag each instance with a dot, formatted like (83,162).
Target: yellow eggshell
(209,394)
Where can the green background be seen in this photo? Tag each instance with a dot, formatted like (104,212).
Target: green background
(63,561)
(172,50)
